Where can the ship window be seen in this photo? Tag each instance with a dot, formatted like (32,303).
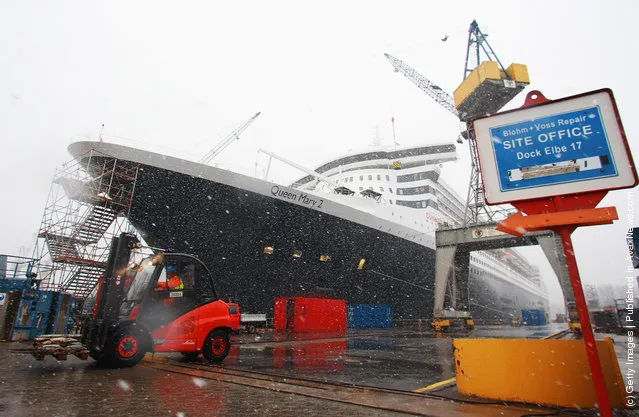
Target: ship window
(413,177)
(370,177)
(391,190)
(381,189)
(350,179)
(361,188)
(387,178)
(361,178)
(379,177)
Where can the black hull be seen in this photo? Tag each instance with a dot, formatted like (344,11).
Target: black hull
(228,228)
(229,219)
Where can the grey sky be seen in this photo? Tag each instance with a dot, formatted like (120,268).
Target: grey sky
(177,77)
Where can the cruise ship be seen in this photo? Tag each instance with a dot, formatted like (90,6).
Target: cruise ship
(501,282)
(360,228)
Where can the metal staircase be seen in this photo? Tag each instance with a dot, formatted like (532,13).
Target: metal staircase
(96,224)
(88,203)
(85,279)
(60,247)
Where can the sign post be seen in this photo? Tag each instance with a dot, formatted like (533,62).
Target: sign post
(555,161)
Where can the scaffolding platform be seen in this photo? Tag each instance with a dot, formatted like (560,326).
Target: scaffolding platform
(88,203)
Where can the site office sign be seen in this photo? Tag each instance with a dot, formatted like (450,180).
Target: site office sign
(567,146)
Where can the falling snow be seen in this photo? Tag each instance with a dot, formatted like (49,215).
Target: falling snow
(199,382)
(123,385)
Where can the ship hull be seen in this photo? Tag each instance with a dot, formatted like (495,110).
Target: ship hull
(229,229)
(494,299)
(264,241)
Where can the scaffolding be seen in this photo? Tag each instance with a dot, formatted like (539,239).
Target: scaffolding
(88,204)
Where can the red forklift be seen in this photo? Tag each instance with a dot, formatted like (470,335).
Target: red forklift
(165,303)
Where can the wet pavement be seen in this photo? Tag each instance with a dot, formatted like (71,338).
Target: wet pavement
(406,359)
(80,388)
(401,358)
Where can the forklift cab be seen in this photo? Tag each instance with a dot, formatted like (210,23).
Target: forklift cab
(164,287)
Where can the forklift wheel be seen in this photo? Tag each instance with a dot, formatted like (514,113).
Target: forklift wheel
(125,348)
(217,345)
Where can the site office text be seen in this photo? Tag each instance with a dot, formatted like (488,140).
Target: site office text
(572,133)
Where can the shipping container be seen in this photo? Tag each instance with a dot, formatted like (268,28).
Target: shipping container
(301,314)
(369,316)
(34,314)
(28,313)
(533,317)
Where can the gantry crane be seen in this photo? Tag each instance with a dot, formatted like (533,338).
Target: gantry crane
(486,89)
(227,140)
(477,42)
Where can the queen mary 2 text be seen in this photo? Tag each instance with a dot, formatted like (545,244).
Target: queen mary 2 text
(303,198)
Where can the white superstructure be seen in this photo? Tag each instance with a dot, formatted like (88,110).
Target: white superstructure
(403,185)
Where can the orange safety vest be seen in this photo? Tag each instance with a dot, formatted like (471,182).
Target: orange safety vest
(174,283)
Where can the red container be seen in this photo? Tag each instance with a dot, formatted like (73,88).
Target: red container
(300,314)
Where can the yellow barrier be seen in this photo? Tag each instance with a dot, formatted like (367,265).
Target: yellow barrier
(547,372)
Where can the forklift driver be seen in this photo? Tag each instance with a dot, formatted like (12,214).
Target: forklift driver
(172,281)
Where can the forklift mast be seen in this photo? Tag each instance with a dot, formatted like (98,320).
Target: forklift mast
(110,291)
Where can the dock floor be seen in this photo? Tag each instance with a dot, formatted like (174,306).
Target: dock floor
(377,372)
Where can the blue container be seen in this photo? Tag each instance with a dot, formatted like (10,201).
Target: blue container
(37,314)
(533,317)
(367,316)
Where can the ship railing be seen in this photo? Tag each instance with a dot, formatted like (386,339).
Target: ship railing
(521,282)
(511,267)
